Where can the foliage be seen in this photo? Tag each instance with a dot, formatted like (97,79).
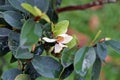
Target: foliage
(32,34)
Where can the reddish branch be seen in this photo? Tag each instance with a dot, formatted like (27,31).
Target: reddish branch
(85,6)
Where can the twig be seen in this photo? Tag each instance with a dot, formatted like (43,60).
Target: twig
(85,6)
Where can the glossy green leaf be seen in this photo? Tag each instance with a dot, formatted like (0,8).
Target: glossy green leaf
(44,78)
(79,57)
(114,44)
(60,28)
(68,56)
(23,77)
(23,53)
(13,18)
(102,50)
(96,69)
(28,36)
(38,29)
(11,74)
(6,7)
(47,66)
(88,61)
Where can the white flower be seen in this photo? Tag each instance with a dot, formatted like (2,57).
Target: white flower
(60,40)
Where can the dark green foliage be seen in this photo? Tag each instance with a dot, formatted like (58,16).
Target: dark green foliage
(31,71)
(47,66)
(7,75)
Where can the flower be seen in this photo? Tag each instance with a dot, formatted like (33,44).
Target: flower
(60,40)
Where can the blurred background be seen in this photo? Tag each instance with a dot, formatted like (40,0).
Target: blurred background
(85,24)
(89,22)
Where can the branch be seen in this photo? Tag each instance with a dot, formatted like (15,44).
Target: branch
(85,6)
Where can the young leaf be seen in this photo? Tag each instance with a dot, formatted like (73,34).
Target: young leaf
(114,44)
(11,74)
(60,28)
(79,57)
(96,69)
(101,50)
(13,18)
(23,77)
(28,36)
(29,8)
(47,66)
(68,57)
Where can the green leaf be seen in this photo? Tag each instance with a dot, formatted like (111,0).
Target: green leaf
(101,50)
(23,53)
(29,8)
(17,4)
(79,57)
(13,18)
(38,29)
(88,61)
(13,41)
(6,8)
(60,28)
(68,56)
(47,66)
(23,77)
(73,42)
(11,74)
(114,44)
(28,36)
(96,69)
(4,32)
(71,77)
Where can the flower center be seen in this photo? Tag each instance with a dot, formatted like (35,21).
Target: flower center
(59,39)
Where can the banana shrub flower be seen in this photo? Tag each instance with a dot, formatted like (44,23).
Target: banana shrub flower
(60,40)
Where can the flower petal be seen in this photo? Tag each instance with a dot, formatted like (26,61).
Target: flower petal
(48,39)
(58,48)
(67,38)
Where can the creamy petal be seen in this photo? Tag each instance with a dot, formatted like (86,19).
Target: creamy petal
(48,39)
(58,48)
(67,38)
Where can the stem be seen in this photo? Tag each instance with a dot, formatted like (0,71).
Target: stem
(95,38)
(85,6)
(61,73)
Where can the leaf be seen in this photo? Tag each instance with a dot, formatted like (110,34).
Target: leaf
(13,41)
(30,70)
(23,77)
(42,4)
(11,74)
(102,50)
(17,4)
(44,78)
(23,53)
(79,57)
(6,8)
(29,8)
(114,44)
(47,66)
(4,32)
(28,36)
(45,17)
(68,57)
(73,42)
(38,29)
(60,27)
(67,71)
(88,61)
(13,18)
(96,69)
